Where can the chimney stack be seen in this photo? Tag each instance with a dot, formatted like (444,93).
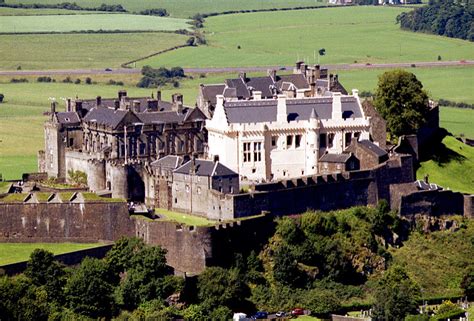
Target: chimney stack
(78,107)
(136,106)
(177,100)
(116,104)
(122,93)
(98,101)
(282,116)
(243,76)
(158,95)
(313,89)
(272,73)
(257,95)
(336,106)
(317,69)
(53,108)
(68,104)
(216,158)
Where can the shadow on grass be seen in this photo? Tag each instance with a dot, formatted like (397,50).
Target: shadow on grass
(438,152)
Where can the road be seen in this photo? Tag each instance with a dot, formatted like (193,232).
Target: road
(429,64)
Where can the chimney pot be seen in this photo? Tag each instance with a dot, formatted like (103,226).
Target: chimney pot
(99,100)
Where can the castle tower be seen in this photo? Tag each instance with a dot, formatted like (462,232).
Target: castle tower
(312,144)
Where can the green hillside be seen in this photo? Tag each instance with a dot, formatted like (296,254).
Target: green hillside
(451,167)
(438,261)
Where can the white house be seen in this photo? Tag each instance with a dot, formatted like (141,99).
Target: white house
(266,139)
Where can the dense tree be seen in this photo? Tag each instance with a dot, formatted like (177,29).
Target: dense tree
(218,286)
(44,270)
(322,302)
(442,17)
(401,100)
(89,291)
(396,296)
(467,284)
(120,256)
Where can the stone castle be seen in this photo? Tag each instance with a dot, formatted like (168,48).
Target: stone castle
(252,148)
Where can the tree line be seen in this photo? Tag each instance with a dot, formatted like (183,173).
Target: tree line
(448,18)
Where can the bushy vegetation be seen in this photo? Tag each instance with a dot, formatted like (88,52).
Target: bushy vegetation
(160,12)
(160,77)
(78,178)
(66,6)
(442,17)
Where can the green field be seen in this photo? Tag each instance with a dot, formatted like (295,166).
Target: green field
(75,51)
(452,83)
(106,22)
(188,8)
(349,34)
(34,12)
(452,166)
(457,121)
(184,218)
(17,252)
(438,261)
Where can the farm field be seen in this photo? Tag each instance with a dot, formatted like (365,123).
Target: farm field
(188,8)
(452,166)
(107,22)
(4,11)
(453,82)
(75,51)
(17,252)
(457,121)
(281,38)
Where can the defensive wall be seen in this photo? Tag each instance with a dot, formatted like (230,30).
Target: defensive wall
(322,192)
(408,201)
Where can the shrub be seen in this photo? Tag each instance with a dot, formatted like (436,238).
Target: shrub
(88,81)
(44,79)
(67,80)
(17,80)
(77,81)
(161,12)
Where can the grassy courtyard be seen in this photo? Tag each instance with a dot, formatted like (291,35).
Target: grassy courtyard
(349,34)
(17,252)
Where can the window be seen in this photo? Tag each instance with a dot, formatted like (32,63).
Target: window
(330,140)
(199,190)
(247,152)
(297,141)
(142,148)
(289,141)
(257,152)
(181,146)
(187,188)
(71,142)
(274,140)
(348,139)
(322,141)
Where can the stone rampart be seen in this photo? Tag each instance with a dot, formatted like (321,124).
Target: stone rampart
(408,201)
(61,222)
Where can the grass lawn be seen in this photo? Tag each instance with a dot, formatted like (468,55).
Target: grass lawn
(363,34)
(76,51)
(4,187)
(438,261)
(17,252)
(188,8)
(108,22)
(185,218)
(457,121)
(454,167)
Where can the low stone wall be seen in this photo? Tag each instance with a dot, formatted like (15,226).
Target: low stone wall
(68,259)
(335,317)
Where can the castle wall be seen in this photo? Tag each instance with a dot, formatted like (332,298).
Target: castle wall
(116,177)
(469,206)
(60,222)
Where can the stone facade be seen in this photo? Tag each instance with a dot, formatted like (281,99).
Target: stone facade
(113,141)
(269,139)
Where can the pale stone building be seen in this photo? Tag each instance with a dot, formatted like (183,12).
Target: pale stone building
(280,138)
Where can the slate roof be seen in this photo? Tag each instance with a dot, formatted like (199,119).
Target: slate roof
(263,84)
(240,87)
(298,80)
(106,116)
(68,118)
(258,111)
(206,168)
(373,148)
(335,158)
(169,162)
(209,92)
